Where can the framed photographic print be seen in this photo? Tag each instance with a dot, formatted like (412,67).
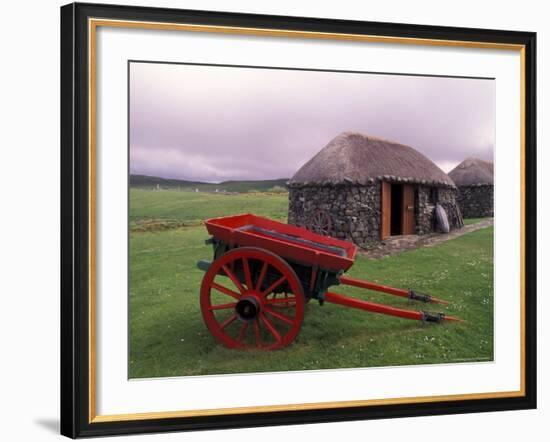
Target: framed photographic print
(274,220)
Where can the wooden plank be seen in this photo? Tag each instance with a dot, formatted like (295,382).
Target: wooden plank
(408,210)
(385,222)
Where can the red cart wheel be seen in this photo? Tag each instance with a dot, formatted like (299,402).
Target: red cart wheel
(238,303)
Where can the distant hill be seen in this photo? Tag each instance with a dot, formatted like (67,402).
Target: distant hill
(151,182)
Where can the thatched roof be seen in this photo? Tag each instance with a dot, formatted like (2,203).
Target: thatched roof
(472,172)
(357,158)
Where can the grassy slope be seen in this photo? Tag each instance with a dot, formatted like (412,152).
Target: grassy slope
(168,337)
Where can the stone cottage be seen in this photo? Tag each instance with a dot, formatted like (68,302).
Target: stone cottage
(474,180)
(365,189)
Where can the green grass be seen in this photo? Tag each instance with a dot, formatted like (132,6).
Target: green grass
(468,221)
(169,338)
(190,208)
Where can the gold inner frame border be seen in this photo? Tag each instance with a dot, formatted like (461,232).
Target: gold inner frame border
(93,24)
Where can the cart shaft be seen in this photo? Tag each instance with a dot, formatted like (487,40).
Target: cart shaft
(345,280)
(368,306)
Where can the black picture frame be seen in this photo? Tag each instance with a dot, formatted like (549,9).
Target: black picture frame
(75,220)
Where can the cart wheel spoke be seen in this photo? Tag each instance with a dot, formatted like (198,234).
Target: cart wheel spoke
(228,321)
(270,327)
(247,277)
(224,290)
(273,286)
(280,317)
(233,278)
(319,222)
(223,306)
(261,277)
(258,333)
(242,333)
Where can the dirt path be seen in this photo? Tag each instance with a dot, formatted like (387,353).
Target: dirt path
(400,244)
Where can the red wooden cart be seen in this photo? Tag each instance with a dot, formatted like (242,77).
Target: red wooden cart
(254,291)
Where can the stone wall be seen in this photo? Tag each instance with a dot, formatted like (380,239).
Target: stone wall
(354,210)
(424,211)
(447,198)
(476,201)
(425,208)
(446,194)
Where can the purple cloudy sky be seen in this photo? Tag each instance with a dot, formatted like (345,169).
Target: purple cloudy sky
(213,123)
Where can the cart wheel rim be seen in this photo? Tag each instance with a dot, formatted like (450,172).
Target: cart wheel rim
(320,222)
(239,301)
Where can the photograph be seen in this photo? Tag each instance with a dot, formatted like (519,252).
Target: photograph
(285,219)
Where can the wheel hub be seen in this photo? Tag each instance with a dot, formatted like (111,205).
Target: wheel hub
(248,308)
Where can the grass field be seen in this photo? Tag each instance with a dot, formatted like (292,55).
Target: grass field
(468,221)
(158,210)
(168,337)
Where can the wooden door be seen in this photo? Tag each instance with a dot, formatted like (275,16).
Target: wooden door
(407,211)
(385,222)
